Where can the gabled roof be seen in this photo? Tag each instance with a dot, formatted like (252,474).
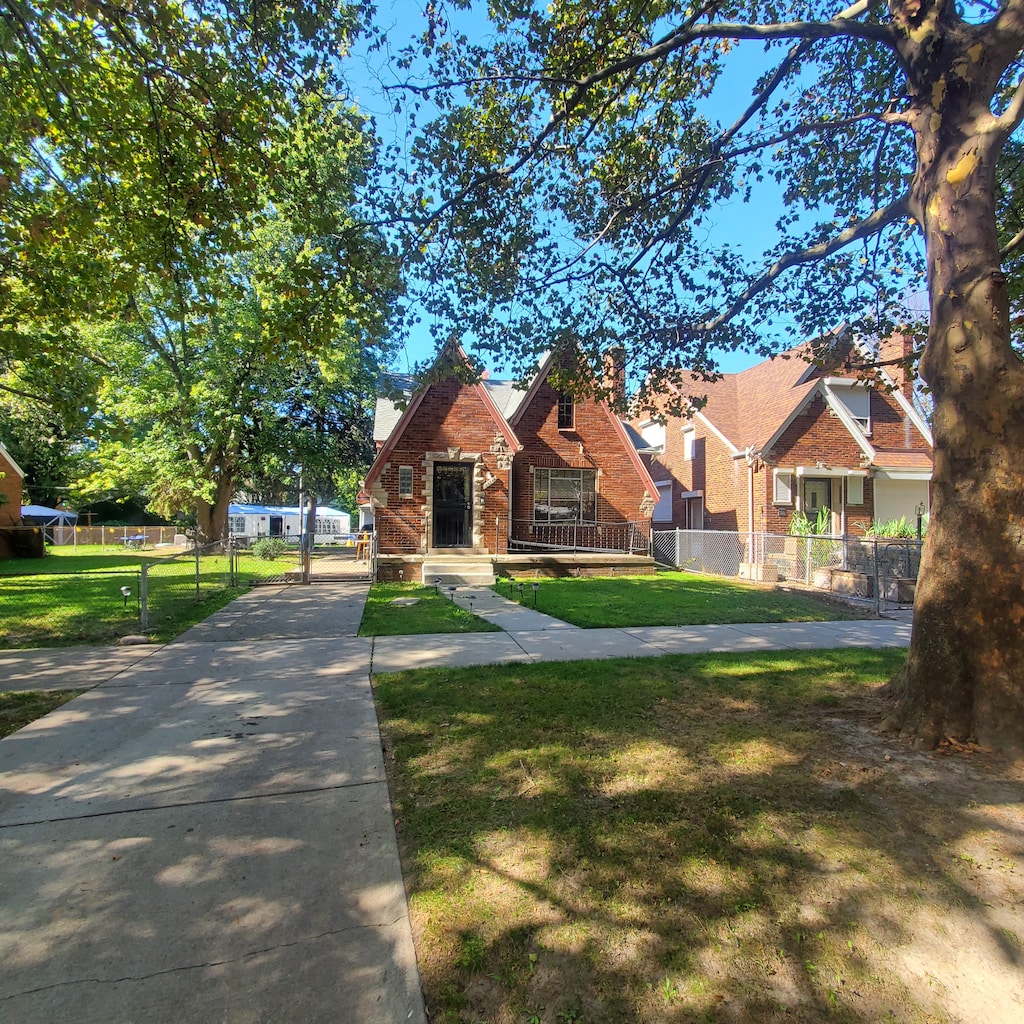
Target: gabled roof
(749,408)
(390,441)
(505,400)
(543,369)
(10,460)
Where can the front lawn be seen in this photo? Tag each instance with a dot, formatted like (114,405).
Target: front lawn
(700,838)
(427,612)
(671,599)
(73,597)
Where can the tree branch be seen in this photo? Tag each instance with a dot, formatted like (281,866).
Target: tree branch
(863,229)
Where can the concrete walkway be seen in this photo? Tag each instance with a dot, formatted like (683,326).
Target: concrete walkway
(206,834)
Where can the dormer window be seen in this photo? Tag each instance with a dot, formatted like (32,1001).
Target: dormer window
(855,398)
(565,412)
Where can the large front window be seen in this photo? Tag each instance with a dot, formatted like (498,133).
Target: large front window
(564,495)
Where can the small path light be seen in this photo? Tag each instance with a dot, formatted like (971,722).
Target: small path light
(519,587)
(536,587)
(920,517)
(126,592)
(401,575)
(451,592)
(511,583)
(471,598)
(437,583)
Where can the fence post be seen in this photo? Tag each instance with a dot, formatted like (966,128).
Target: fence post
(144,598)
(807,563)
(878,587)
(197,568)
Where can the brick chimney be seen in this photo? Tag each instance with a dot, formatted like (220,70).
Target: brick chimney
(899,346)
(615,378)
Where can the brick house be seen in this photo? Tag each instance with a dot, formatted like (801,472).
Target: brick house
(11,478)
(787,436)
(481,468)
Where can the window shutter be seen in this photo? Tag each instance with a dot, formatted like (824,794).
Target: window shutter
(855,490)
(783,488)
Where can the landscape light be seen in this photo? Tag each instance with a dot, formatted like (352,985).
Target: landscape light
(451,592)
(536,586)
(126,592)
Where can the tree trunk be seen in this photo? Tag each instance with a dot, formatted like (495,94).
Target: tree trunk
(964,677)
(212,519)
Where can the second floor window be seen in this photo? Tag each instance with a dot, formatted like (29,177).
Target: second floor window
(565,412)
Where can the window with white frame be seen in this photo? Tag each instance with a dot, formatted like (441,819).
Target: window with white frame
(564,495)
(405,481)
(653,434)
(236,525)
(689,443)
(855,490)
(783,487)
(857,401)
(663,510)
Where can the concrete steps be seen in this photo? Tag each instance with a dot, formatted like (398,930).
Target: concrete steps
(463,571)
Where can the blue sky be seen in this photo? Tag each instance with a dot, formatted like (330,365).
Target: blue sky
(749,227)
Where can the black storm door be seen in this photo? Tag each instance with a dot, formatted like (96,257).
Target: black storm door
(453,506)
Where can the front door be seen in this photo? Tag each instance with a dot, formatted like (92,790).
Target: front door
(453,505)
(817,495)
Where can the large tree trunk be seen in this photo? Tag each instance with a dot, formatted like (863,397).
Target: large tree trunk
(212,518)
(964,677)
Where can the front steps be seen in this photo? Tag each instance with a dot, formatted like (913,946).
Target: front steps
(460,570)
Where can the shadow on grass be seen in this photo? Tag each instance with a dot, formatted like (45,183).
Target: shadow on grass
(716,838)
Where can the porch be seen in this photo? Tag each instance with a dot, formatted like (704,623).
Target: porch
(483,569)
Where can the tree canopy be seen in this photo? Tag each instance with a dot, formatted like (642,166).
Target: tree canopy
(145,138)
(579,153)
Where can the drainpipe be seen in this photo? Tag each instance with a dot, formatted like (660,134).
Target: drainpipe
(750,503)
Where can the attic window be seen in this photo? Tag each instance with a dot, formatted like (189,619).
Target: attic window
(857,401)
(689,443)
(653,434)
(405,481)
(565,411)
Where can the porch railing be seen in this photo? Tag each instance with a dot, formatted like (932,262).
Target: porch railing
(628,538)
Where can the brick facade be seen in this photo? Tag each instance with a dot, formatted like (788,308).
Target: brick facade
(453,423)
(10,488)
(815,437)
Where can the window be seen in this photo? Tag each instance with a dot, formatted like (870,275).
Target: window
(405,481)
(565,412)
(783,487)
(653,434)
(236,525)
(858,404)
(855,490)
(663,510)
(564,495)
(689,443)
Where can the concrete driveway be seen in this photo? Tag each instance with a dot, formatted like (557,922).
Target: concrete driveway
(206,835)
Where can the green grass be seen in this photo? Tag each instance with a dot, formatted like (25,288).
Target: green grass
(671,599)
(670,839)
(433,613)
(70,598)
(18,709)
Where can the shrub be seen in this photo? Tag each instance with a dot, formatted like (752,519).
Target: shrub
(891,528)
(269,548)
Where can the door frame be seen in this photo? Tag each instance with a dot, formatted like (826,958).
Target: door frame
(467,467)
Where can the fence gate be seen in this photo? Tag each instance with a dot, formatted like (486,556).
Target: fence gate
(340,562)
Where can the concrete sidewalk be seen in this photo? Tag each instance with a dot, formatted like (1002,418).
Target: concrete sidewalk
(207,834)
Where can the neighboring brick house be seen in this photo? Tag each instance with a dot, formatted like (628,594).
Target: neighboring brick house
(11,478)
(485,468)
(786,436)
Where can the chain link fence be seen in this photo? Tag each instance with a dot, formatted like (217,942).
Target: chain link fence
(880,569)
